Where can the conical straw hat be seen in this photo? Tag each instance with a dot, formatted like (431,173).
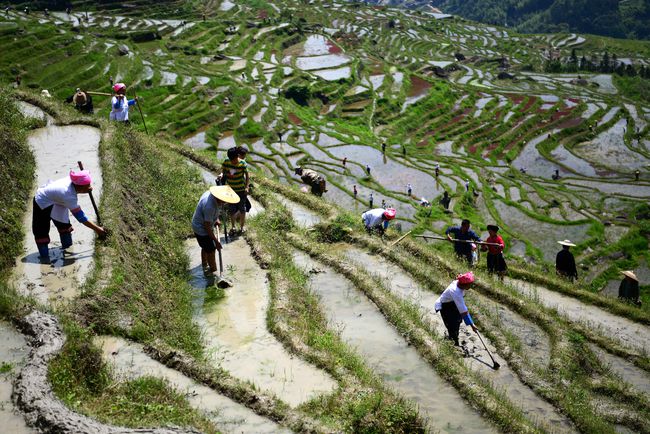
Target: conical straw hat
(630,274)
(566,243)
(224,193)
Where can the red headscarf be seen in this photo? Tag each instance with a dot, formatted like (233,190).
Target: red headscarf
(465,278)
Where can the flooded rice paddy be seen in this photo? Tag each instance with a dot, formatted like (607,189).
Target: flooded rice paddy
(13,350)
(60,280)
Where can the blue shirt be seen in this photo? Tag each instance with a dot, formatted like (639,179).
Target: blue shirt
(207,210)
(463,248)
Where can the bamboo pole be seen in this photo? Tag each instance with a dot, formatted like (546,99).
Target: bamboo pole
(482,243)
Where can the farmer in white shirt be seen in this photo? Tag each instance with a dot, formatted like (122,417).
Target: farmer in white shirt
(120,104)
(377,219)
(452,308)
(52,202)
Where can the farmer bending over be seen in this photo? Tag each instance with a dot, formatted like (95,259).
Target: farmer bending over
(120,104)
(52,202)
(463,234)
(452,308)
(206,217)
(377,219)
(235,171)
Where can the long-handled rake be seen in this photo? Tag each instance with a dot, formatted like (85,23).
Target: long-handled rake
(222,282)
(495,363)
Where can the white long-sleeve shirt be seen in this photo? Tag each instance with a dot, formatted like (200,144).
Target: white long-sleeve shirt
(120,108)
(373,217)
(455,294)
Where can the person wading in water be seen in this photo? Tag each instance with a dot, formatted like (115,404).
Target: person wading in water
(452,308)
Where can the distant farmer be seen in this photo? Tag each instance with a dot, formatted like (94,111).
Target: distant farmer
(355,192)
(463,234)
(345,160)
(495,261)
(52,202)
(120,104)
(235,171)
(565,264)
(628,290)
(467,185)
(404,150)
(424,203)
(637,173)
(371,200)
(556,175)
(452,308)
(383,147)
(445,200)
(312,178)
(376,220)
(409,189)
(83,102)
(368,170)
(437,169)
(206,216)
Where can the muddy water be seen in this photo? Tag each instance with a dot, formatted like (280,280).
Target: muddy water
(364,327)
(130,362)
(235,334)
(13,350)
(537,344)
(638,378)
(57,150)
(627,332)
(300,214)
(31,111)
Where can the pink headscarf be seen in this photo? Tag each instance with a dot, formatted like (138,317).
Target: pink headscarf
(390,213)
(118,87)
(80,178)
(465,278)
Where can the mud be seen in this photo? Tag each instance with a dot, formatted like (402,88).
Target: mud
(130,361)
(56,150)
(235,334)
(628,333)
(13,350)
(362,325)
(33,393)
(637,378)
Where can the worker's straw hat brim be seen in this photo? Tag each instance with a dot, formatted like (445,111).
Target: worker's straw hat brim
(630,274)
(566,243)
(224,193)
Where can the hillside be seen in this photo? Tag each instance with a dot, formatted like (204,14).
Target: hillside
(327,328)
(619,19)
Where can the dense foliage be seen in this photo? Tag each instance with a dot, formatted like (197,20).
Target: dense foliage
(625,19)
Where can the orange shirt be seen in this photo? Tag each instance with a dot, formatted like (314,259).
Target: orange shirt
(495,249)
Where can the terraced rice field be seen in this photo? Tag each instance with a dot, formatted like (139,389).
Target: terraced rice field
(328,329)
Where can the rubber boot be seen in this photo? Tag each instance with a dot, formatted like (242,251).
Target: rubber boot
(66,240)
(44,252)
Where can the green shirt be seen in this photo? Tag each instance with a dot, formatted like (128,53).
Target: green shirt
(235,175)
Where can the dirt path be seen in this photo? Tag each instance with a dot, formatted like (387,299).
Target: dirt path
(57,150)
(234,329)
(130,361)
(13,350)
(521,395)
(628,333)
(363,326)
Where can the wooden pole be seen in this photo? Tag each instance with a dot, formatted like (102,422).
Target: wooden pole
(90,92)
(137,103)
(429,237)
(399,239)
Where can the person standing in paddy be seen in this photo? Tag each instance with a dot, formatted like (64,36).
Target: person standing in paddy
(452,308)
(52,202)
(495,261)
(235,172)
(120,104)
(565,263)
(463,233)
(205,218)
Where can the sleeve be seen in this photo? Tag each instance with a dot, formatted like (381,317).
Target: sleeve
(459,301)
(79,215)
(131,102)
(365,218)
(475,236)
(449,230)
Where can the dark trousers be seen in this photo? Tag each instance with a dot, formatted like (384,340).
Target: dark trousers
(452,319)
(41,224)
